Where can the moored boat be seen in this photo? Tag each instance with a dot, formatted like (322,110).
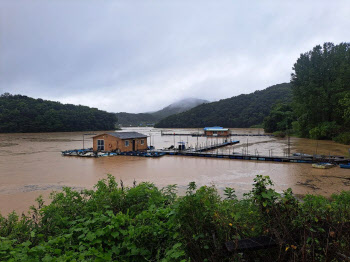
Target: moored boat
(345,166)
(322,165)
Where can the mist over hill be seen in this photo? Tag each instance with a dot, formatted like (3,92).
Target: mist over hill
(150,118)
(244,110)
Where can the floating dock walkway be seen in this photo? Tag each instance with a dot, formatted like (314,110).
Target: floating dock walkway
(213,146)
(291,159)
(203,152)
(203,135)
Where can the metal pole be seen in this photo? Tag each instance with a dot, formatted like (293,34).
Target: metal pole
(247,146)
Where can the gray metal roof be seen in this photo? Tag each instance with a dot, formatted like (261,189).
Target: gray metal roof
(127,135)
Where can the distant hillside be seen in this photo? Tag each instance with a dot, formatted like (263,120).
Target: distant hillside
(20,114)
(128,119)
(142,119)
(239,111)
(179,107)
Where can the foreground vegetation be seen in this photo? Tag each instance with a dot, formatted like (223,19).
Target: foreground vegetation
(22,114)
(144,223)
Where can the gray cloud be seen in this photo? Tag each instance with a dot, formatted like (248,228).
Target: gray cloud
(138,56)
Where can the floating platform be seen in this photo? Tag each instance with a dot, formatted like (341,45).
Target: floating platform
(290,159)
(204,135)
(203,152)
(215,146)
(91,153)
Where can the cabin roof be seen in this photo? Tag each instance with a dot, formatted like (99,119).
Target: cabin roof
(215,128)
(125,135)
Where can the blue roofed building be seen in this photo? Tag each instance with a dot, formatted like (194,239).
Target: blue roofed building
(216,131)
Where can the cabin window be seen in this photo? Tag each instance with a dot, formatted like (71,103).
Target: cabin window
(126,143)
(142,141)
(100,144)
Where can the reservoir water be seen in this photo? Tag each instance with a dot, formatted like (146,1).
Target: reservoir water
(32,165)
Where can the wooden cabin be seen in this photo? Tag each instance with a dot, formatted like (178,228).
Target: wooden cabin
(120,142)
(216,131)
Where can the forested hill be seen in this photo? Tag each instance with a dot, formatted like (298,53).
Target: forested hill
(142,119)
(24,114)
(239,111)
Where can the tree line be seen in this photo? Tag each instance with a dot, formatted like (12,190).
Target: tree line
(141,119)
(320,108)
(22,114)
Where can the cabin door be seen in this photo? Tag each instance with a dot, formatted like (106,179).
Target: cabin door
(133,145)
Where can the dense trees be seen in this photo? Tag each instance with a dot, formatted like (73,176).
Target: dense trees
(280,118)
(238,111)
(24,114)
(321,91)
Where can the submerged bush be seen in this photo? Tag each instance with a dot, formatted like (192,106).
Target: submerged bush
(324,130)
(343,138)
(280,134)
(143,223)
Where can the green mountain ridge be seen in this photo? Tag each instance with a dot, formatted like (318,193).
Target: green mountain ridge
(243,110)
(22,114)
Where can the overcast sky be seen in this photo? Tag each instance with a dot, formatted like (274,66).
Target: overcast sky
(138,56)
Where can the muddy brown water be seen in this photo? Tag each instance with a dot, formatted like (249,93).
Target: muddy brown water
(32,165)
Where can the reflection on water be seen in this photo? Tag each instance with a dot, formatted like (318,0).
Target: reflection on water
(31,164)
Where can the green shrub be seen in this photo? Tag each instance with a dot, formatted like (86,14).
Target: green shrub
(280,134)
(325,130)
(343,138)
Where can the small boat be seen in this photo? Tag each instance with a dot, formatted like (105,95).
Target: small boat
(322,165)
(154,154)
(345,166)
(302,155)
(112,154)
(70,153)
(99,154)
(88,154)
